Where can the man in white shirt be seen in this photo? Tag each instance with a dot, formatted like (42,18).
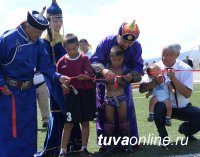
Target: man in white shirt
(42,97)
(84,47)
(183,83)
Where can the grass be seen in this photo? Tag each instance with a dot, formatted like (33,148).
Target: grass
(145,128)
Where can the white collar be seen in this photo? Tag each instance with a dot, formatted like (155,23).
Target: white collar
(72,59)
(175,66)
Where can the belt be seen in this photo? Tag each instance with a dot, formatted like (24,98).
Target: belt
(19,84)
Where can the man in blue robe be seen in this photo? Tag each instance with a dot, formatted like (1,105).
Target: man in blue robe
(21,51)
(126,38)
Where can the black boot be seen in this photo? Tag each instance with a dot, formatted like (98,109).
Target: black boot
(108,133)
(125,131)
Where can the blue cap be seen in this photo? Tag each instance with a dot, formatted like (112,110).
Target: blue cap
(37,19)
(54,10)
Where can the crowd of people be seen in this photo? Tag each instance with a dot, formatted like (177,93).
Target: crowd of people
(68,69)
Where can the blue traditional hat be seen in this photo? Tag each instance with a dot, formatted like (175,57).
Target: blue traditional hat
(37,20)
(129,31)
(54,11)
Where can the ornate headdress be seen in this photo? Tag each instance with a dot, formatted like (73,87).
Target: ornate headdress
(129,31)
(37,19)
(54,11)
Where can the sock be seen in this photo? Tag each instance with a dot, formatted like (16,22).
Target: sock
(63,150)
(151,113)
(168,117)
(83,147)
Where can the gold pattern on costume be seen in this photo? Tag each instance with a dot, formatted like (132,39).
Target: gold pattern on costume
(57,38)
(130,37)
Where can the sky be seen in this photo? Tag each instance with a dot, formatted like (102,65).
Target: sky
(161,22)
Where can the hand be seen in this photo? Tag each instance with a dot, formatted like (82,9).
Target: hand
(108,75)
(5,90)
(128,77)
(119,79)
(64,80)
(66,89)
(173,91)
(82,77)
(171,74)
(149,94)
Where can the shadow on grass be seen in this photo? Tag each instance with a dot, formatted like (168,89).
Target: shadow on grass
(42,129)
(193,147)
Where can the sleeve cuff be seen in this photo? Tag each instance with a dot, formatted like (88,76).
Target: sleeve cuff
(56,76)
(136,77)
(2,82)
(98,68)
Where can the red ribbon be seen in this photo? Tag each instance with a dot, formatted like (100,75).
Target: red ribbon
(174,70)
(95,79)
(14,123)
(115,83)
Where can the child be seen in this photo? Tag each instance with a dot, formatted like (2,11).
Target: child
(115,98)
(160,94)
(81,99)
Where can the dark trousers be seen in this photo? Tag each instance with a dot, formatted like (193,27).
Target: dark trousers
(189,114)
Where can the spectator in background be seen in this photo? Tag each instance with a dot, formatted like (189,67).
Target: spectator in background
(84,47)
(188,61)
(42,97)
(145,67)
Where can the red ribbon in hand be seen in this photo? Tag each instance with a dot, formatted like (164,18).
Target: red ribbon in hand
(115,82)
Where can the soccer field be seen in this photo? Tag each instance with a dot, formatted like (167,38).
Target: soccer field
(146,129)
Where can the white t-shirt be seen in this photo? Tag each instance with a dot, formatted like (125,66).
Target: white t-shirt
(38,78)
(185,77)
(161,91)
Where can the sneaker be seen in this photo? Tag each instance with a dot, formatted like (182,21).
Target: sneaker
(62,155)
(129,151)
(164,146)
(45,124)
(150,118)
(109,150)
(86,153)
(102,149)
(168,122)
(137,147)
